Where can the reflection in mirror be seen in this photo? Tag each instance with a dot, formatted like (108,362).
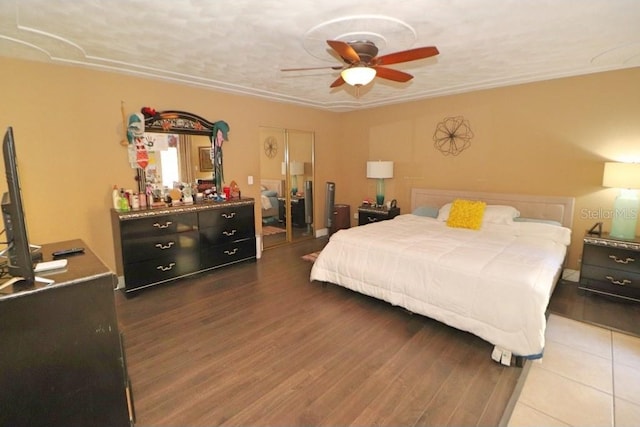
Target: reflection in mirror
(177,153)
(286,185)
(181,162)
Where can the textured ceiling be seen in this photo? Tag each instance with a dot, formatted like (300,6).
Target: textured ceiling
(240,46)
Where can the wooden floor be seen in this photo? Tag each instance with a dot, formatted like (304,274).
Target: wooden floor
(258,344)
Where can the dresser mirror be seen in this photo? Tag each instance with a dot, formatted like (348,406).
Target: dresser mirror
(286,185)
(179,149)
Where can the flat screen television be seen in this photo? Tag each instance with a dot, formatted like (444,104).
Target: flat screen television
(18,252)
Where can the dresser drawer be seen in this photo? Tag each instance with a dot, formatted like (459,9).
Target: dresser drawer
(619,259)
(213,236)
(226,225)
(216,256)
(227,218)
(158,225)
(143,248)
(161,269)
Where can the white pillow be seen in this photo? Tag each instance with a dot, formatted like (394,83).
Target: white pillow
(496,214)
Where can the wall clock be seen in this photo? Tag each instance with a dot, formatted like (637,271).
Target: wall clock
(270,147)
(452,136)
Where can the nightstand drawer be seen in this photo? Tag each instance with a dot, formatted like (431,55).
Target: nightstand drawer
(367,215)
(610,282)
(611,258)
(617,278)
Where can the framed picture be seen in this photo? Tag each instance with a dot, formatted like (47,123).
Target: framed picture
(204,157)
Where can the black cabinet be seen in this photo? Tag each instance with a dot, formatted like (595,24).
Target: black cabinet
(367,214)
(158,245)
(62,362)
(611,267)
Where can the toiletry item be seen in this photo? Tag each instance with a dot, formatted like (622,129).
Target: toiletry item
(124,203)
(116,197)
(142,200)
(135,201)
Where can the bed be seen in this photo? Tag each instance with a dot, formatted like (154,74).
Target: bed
(494,282)
(270,190)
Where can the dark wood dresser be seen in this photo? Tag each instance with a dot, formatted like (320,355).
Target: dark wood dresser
(157,245)
(611,267)
(62,361)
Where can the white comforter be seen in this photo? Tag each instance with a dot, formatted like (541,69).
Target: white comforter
(495,282)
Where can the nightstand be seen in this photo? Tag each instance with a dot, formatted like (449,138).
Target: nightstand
(368,214)
(611,267)
(297,211)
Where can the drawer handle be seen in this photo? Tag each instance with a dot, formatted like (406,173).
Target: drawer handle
(374,219)
(167,268)
(233,252)
(167,246)
(622,282)
(621,261)
(166,225)
(228,216)
(229,233)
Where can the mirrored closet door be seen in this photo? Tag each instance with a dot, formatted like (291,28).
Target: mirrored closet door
(286,185)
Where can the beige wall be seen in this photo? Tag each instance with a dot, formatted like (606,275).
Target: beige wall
(540,138)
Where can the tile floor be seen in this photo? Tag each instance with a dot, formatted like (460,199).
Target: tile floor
(589,376)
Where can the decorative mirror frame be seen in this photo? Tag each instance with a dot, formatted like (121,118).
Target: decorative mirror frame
(171,121)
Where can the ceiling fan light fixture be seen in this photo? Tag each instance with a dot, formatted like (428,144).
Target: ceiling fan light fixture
(358,76)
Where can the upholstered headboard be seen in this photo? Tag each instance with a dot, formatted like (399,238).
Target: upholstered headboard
(272,184)
(542,207)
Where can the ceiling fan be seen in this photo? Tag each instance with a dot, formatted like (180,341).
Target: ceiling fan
(362,65)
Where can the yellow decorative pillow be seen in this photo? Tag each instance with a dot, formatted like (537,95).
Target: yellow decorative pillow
(466,214)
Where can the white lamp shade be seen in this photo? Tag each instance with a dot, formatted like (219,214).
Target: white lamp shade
(380,169)
(621,175)
(296,168)
(358,76)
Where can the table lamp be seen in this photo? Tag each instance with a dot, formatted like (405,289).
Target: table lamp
(295,169)
(380,170)
(626,177)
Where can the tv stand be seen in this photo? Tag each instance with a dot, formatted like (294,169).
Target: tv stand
(21,283)
(63,362)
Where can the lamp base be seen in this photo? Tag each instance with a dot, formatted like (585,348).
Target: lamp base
(625,216)
(380,192)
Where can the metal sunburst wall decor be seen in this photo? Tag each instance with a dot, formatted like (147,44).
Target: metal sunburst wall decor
(452,136)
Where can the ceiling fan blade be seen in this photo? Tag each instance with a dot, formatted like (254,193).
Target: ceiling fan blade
(335,67)
(391,74)
(407,55)
(338,82)
(344,50)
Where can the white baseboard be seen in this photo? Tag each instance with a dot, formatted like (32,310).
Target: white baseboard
(571,275)
(120,284)
(322,232)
